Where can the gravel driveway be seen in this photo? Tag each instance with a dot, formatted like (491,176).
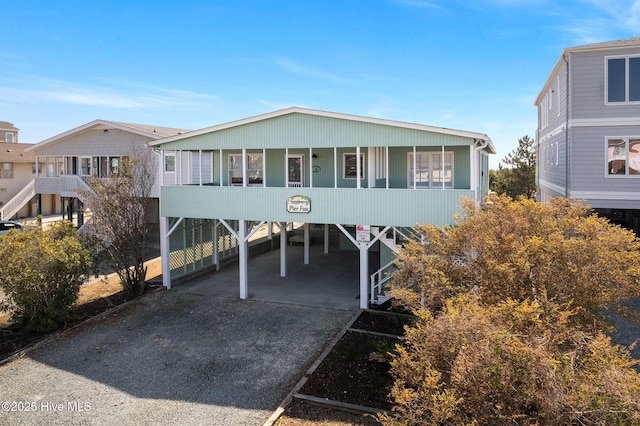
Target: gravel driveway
(174,357)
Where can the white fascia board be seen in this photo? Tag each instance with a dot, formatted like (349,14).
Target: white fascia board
(88,126)
(341,116)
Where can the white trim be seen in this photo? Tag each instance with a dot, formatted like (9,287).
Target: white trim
(548,135)
(605,195)
(615,121)
(626,80)
(100,124)
(552,186)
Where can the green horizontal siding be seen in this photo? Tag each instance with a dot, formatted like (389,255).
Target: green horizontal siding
(396,207)
(304,131)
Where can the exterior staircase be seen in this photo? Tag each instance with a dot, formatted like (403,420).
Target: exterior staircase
(13,206)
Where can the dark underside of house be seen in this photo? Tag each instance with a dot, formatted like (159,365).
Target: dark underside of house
(626,218)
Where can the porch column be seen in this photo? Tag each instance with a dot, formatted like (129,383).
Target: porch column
(326,238)
(242,242)
(335,167)
(164,252)
(80,213)
(244,167)
(358,168)
(306,243)
(283,248)
(363,247)
(216,248)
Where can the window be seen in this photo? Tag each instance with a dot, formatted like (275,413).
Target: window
(295,169)
(255,173)
(6,170)
(8,137)
(169,162)
(34,166)
(85,166)
(623,79)
(351,165)
(623,156)
(432,170)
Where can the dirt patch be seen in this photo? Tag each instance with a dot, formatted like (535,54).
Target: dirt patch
(301,413)
(355,371)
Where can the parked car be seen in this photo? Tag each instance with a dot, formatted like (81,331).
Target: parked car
(6,226)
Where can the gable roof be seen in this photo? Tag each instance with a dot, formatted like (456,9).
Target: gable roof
(292,110)
(5,125)
(593,47)
(153,132)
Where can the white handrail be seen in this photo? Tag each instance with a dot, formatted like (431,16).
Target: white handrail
(378,279)
(13,206)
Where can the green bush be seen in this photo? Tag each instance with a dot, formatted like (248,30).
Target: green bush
(41,275)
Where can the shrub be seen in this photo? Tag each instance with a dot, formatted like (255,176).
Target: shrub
(556,254)
(474,364)
(41,275)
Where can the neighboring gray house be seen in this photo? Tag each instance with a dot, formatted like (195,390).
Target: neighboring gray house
(588,137)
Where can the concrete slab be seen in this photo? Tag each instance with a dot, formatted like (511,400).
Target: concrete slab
(329,280)
(174,357)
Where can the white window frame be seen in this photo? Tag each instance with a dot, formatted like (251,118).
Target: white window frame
(249,169)
(166,157)
(81,168)
(8,137)
(626,174)
(626,80)
(300,183)
(432,184)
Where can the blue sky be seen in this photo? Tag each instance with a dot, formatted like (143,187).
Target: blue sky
(471,64)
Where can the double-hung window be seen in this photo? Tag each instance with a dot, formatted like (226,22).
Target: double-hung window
(622,79)
(6,170)
(623,156)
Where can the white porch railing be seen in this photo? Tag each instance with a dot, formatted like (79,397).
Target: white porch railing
(378,279)
(13,206)
(73,186)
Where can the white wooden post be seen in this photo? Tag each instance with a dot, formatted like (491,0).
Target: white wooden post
(283,248)
(164,251)
(364,275)
(243,258)
(216,244)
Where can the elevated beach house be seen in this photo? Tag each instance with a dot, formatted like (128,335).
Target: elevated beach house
(64,163)
(372,179)
(588,136)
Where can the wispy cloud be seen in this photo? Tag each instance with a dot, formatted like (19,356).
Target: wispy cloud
(131,96)
(420,4)
(602,20)
(306,71)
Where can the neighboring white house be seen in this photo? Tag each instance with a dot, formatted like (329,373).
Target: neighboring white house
(17,168)
(66,161)
(588,137)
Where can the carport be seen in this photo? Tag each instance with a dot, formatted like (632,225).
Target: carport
(317,277)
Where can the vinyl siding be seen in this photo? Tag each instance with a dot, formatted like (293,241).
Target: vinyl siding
(399,207)
(304,131)
(588,87)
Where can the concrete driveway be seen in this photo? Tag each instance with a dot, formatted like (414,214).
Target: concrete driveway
(175,357)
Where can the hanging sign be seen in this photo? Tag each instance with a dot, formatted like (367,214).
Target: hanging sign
(298,204)
(363,233)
